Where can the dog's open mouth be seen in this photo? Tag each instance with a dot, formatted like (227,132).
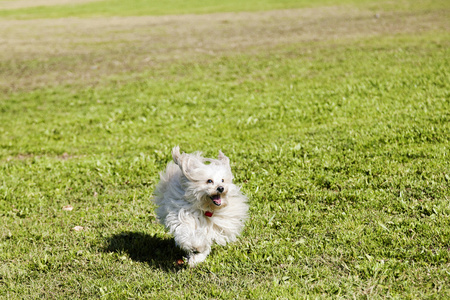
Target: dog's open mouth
(216,200)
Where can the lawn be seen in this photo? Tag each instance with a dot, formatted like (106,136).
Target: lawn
(335,115)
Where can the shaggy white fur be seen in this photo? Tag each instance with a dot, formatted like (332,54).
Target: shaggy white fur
(199,204)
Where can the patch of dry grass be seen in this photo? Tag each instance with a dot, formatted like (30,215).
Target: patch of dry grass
(36,53)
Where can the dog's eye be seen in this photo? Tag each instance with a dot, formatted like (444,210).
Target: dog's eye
(209,181)
(223,180)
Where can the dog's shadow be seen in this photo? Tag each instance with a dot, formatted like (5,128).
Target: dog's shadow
(156,251)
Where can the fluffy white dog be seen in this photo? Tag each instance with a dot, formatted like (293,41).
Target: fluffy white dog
(199,204)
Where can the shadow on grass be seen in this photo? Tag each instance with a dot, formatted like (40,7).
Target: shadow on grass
(157,252)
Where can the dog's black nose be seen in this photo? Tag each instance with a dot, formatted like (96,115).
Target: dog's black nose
(220,189)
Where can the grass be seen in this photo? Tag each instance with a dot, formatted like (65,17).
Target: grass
(341,145)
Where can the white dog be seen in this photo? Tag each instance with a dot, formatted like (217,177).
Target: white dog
(199,204)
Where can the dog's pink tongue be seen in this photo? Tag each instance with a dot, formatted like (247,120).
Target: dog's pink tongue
(216,199)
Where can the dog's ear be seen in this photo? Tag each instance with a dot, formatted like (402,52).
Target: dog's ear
(176,155)
(225,160)
(187,163)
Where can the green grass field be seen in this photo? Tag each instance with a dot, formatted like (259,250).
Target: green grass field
(335,115)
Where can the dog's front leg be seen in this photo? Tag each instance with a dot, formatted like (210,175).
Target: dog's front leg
(201,247)
(192,237)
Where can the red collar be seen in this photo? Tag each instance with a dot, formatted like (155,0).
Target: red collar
(208,213)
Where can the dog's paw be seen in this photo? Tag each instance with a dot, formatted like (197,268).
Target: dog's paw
(195,258)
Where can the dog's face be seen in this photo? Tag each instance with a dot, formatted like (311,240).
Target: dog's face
(206,181)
